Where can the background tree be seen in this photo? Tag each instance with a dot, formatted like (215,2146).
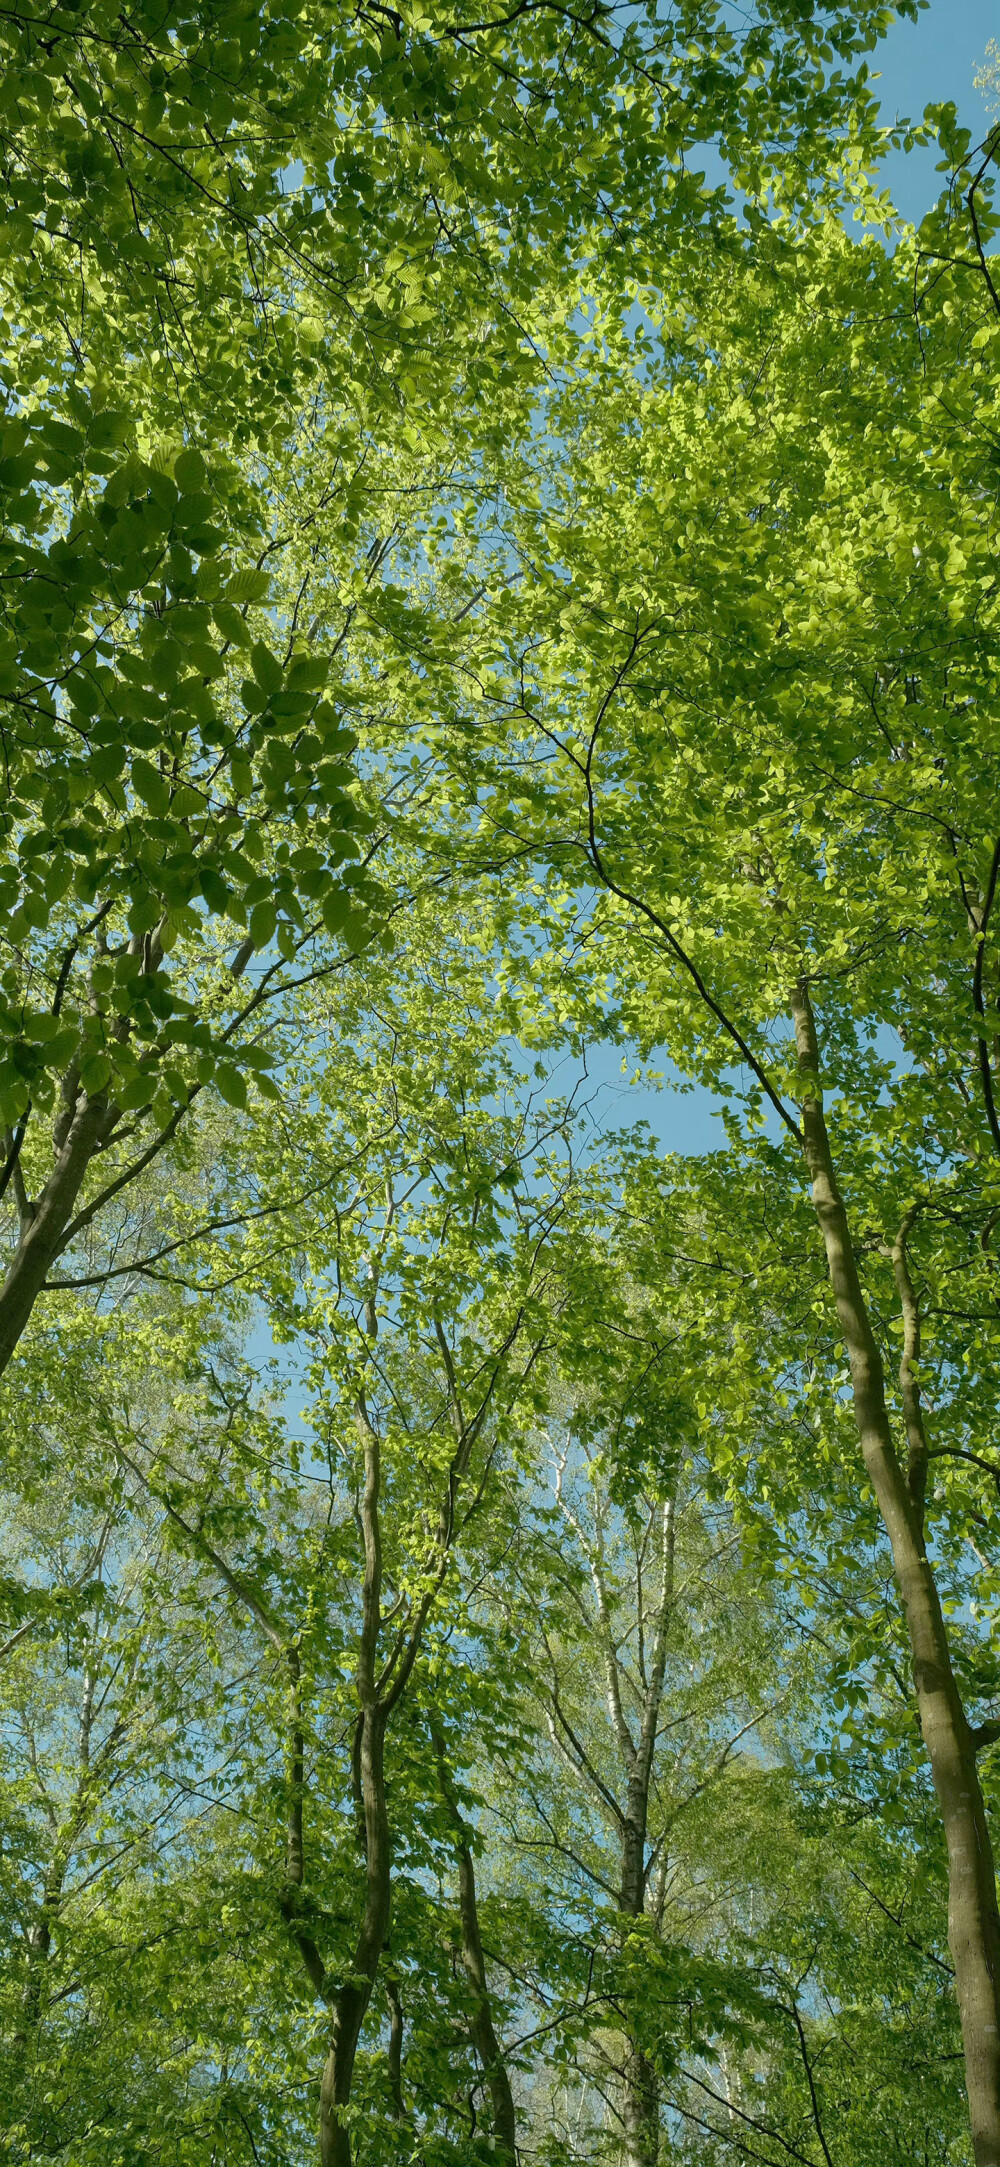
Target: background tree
(846,686)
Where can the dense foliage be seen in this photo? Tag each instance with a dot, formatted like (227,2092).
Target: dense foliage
(497,1617)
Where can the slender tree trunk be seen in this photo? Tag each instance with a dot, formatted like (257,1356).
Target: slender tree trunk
(633,1878)
(290,1900)
(40,1940)
(641,2111)
(481,2025)
(395,2054)
(641,2091)
(973,1917)
(641,2100)
(378,1695)
(484,2036)
(350,2002)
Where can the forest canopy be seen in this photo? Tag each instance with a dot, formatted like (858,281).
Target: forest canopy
(498,588)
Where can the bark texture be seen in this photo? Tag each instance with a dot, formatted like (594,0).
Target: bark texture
(973,1917)
(641,2112)
(395,2055)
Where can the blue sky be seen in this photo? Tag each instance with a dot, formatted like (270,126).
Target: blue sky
(927,62)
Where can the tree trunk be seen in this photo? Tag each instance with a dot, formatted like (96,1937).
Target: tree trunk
(379,1695)
(350,2002)
(484,2037)
(40,1941)
(395,2054)
(42,1233)
(973,1917)
(641,2092)
(641,2111)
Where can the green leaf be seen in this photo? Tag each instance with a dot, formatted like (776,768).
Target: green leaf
(214,889)
(247,586)
(231,1085)
(263,919)
(110,428)
(335,906)
(232,626)
(266,669)
(190,472)
(307,673)
(95,1072)
(136,1093)
(152,787)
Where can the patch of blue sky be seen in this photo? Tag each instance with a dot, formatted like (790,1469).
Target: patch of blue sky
(930,62)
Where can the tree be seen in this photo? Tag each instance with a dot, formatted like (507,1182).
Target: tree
(742,697)
(425,1302)
(217,1906)
(637,1712)
(353,567)
(776,1952)
(154,784)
